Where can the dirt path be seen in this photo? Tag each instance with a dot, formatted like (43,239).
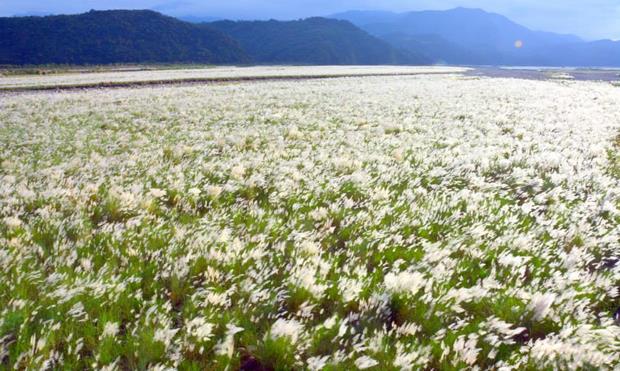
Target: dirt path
(201,81)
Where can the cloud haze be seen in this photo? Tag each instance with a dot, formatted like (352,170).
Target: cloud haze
(592,19)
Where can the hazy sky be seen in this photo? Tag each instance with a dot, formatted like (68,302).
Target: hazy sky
(587,18)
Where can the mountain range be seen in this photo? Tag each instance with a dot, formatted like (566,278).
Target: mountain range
(475,37)
(459,36)
(130,36)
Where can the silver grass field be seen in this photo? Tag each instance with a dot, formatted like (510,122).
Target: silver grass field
(431,221)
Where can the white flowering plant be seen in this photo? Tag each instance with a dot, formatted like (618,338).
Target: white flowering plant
(404,222)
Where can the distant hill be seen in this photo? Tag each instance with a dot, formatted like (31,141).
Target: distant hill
(473,36)
(438,49)
(363,18)
(119,36)
(198,19)
(317,41)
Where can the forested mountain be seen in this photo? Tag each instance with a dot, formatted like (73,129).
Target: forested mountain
(122,36)
(313,41)
(119,36)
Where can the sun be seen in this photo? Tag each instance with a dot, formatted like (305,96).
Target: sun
(518,44)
